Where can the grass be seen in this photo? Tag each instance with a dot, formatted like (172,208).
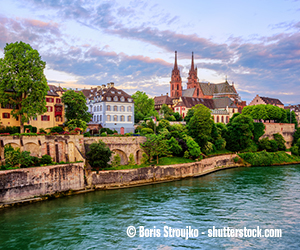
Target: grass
(161,161)
(220,152)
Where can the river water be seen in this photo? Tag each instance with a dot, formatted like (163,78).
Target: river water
(268,197)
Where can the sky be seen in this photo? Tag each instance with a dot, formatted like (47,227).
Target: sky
(85,43)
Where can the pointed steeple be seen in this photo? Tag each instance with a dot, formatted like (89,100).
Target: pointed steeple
(175,64)
(192,65)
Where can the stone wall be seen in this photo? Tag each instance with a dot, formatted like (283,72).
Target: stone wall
(124,146)
(60,147)
(18,184)
(287,130)
(129,177)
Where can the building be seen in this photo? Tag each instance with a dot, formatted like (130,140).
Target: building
(54,115)
(266,100)
(221,98)
(111,108)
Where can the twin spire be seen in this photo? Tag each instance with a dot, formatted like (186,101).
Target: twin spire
(192,64)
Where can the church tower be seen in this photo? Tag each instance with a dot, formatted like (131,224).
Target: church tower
(192,79)
(175,83)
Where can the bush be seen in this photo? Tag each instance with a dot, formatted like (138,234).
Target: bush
(107,130)
(146,131)
(131,160)
(41,130)
(116,162)
(193,148)
(10,130)
(103,134)
(174,146)
(98,155)
(295,150)
(26,160)
(186,154)
(56,129)
(11,155)
(280,141)
(46,159)
(87,134)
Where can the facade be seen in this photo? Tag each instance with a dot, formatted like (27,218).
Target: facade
(53,117)
(111,108)
(266,100)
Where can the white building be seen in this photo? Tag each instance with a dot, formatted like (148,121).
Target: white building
(111,108)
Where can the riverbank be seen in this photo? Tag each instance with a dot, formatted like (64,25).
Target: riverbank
(25,186)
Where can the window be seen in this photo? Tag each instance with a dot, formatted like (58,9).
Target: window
(49,109)
(45,118)
(49,99)
(217,118)
(222,119)
(35,118)
(112,92)
(115,98)
(108,98)
(119,92)
(58,100)
(122,108)
(100,108)
(115,108)
(122,118)
(100,118)
(108,118)
(129,118)
(197,92)
(129,109)
(97,118)
(97,108)
(129,100)
(6,115)
(122,99)
(115,118)
(108,108)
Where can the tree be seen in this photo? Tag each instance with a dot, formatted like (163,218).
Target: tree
(98,155)
(280,141)
(143,106)
(166,111)
(76,123)
(174,146)
(193,147)
(76,108)
(239,133)
(200,125)
(22,82)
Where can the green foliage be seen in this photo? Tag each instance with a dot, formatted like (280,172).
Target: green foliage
(131,160)
(296,135)
(46,159)
(163,124)
(12,156)
(41,130)
(10,130)
(280,141)
(150,124)
(209,147)
(193,147)
(108,131)
(146,131)
(220,144)
(189,115)
(177,116)
(103,134)
(76,123)
(75,106)
(21,70)
(200,125)
(143,106)
(87,134)
(167,112)
(264,158)
(291,117)
(295,150)
(32,129)
(26,160)
(174,146)
(236,159)
(98,155)
(116,161)
(259,130)
(239,134)
(186,154)
(171,118)
(56,129)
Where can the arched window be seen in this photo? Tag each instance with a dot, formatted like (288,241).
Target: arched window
(172,87)
(97,108)
(122,108)
(227,119)
(97,118)
(115,118)
(122,118)
(177,86)
(217,118)
(100,108)
(115,108)
(129,118)
(222,119)
(197,92)
(115,98)
(94,118)
(108,118)
(108,107)
(129,109)
(100,118)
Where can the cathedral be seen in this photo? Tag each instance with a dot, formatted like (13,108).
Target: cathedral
(216,96)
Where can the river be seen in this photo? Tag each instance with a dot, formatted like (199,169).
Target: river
(264,197)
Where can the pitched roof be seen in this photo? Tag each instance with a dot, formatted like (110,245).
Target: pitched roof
(190,102)
(224,102)
(217,88)
(164,99)
(188,92)
(272,101)
(54,89)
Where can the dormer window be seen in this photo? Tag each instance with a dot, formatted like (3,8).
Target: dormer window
(115,98)
(129,100)
(112,92)
(108,98)
(119,93)
(122,99)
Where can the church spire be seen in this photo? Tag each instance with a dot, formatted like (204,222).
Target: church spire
(175,64)
(192,66)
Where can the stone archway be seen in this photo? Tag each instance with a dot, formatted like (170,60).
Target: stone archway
(33,148)
(122,154)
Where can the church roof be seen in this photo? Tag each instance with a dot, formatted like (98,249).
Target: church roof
(188,92)
(190,102)
(216,88)
(272,101)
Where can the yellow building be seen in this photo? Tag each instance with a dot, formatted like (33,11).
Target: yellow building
(53,117)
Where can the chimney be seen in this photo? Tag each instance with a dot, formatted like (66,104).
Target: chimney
(167,94)
(112,84)
(108,85)
(103,86)
(98,88)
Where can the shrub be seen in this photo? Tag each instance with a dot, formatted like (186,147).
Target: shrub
(295,150)
(11,155)
(174,146)
(116,161)
(46,159)
(26,160)
(87,134)
(186,154)
(103,134)
(145,158)
(131,160)
(41,130)
(98,155)
(146,131)
(193,148)
(280,141)
(56,129)
(107,130)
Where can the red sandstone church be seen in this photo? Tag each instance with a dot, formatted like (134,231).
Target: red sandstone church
(221,98)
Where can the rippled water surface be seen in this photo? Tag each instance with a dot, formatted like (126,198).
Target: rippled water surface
(268,197)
